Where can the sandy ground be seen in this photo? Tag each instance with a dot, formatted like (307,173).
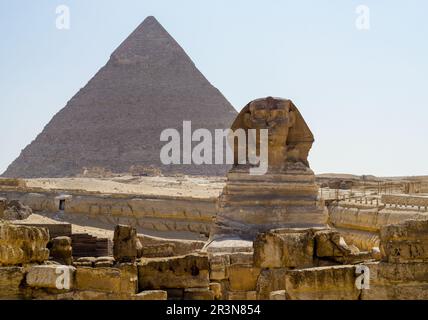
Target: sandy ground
(76,226)
(83,224)
(197,187)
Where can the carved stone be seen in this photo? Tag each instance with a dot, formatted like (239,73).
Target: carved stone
(287,195)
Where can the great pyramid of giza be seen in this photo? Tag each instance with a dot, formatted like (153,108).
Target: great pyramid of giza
(114,122)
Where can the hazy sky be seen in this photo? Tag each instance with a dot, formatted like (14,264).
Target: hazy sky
(364,93)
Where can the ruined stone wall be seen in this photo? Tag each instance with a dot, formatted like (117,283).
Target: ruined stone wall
(360,223)
(295,264)
(160,213)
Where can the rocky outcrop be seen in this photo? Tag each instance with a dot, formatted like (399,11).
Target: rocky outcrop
(22,245)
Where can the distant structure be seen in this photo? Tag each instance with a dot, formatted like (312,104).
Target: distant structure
(114,122)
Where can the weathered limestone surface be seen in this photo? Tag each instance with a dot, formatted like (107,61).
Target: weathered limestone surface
(397,281)
(151,295)
(14,210)
(287,195)
(198,294)
(293,248)
(365,240)
(405,242)
(216,289)
(270,280)
(158,213)
(61,250)
(277,295)
(22,245)
(189,271)
(330,244)
(118,280)
(154,247)
(405,200)
(243,277)
(361,226)
(322,283)
(241,295)
(126,245)
(11,279)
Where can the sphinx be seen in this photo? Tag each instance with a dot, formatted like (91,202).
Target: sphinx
(287,195)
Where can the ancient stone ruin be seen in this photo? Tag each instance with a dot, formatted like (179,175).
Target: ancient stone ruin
(287,195)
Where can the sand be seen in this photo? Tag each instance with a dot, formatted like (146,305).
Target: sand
(197,187)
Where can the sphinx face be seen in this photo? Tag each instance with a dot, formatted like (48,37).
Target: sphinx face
(273,115)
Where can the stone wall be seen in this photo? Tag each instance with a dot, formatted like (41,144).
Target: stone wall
(158,213)
(297,264)
(360,224)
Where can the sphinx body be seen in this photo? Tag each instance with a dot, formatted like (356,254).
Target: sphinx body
(286,195)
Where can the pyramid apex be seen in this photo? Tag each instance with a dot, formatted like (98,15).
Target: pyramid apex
(149,39)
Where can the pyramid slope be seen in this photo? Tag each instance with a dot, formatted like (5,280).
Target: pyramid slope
(149,84)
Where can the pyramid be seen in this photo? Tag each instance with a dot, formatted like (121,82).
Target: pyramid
(149,84)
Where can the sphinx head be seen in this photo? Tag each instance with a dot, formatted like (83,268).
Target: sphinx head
(272,114)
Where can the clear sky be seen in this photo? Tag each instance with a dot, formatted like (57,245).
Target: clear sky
(364,93)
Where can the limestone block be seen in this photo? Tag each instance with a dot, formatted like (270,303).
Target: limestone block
(119,280)
(104,262)
(198,294)
(10,281)
(270,280)
(241,295)
(22,244)
(98,279)
(280,248)
(218,266)
(126,245)
(242,258)
(397,281)
(61,250)
(329,243)
(158,250)
(59,277)
(216,289)
(189,271)
(83,264)
(322,283)
(85,261)
(243,277)
(128,277)
(405,242)
(150,295)
(277,295)
(175,294)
